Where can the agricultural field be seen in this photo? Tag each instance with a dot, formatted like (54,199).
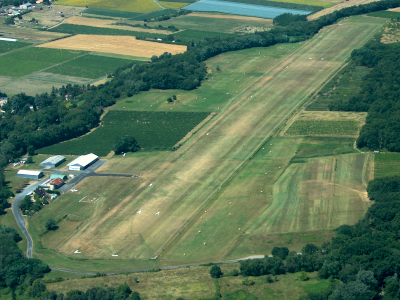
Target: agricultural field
(184,185)
(217,23)
(9,46)
(173,5)
(386,164)
(325,123)
(341,87)
(310,147)
(110,13)
(152,130)
(139,6)
(28,60)
(260,11)
(89,66)
(391,33)
(385,14)
(50,17)
(151,15)
(114,44)
(322,193)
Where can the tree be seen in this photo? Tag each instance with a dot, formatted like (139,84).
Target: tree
(9,21)
(29,160)
(126,144)
(215,271)
(310,249)
(31,150)
(50,224)
(134,296)
(280,252)
(355,290)
(303,276)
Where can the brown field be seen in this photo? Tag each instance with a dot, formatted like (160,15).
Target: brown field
(107,24)
(229,17)
(126,45)
(339,6)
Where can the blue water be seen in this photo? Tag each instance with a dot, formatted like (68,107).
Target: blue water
(236,8)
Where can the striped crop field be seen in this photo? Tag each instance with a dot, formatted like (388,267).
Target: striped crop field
(140,6)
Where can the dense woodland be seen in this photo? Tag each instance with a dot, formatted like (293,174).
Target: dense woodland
(379,96)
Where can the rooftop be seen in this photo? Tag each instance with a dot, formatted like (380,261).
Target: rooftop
(28,172)
(83,160)
(53,159)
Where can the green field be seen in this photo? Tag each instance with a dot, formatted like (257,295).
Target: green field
(386,164)
(341,87)
(139,6)
(153,14)
(339,128)
(322,193)
(9,46)
(89,66)
(323,146)
(152,130)
(110,13)
(227,25)
(196,283)
(385,14)
(33,59)
(188,186)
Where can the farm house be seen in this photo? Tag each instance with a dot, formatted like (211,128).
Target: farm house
(61,176)
(30,174)
(53,161)
(82,162)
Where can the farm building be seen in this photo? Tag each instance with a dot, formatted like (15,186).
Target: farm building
(61,176)
(82,162)
(53,161)
(55,183)
(30,174)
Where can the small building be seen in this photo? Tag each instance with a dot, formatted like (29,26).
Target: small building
(26,6)
(30,174)
(55,183)
(61,176)
(53,161)
(82,162)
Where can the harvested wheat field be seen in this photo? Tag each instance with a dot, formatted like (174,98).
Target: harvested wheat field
(125,45)
(339,6)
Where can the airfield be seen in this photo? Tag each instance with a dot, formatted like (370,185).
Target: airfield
(223,193)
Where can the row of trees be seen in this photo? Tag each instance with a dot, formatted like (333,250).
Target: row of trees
(365,256)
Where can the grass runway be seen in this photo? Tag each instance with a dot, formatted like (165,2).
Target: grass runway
(184,182)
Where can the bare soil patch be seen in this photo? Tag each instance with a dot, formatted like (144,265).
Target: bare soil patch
(125,45)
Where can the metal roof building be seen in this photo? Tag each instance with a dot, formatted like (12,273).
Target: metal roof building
(61,176)
(82,162)
(53,161)
(30,174)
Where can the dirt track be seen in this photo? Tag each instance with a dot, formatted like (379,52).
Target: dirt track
(125,45)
